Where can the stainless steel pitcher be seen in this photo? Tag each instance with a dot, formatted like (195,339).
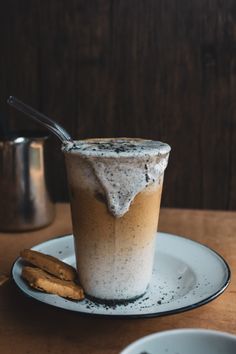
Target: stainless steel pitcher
(25,202)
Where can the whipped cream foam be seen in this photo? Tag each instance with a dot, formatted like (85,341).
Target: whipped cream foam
(123,167)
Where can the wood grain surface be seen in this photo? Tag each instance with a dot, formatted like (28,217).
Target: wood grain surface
(30,327)
(159,69)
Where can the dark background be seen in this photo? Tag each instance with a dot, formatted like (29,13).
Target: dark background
(159,69)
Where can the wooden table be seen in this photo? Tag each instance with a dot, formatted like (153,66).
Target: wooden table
(30,327)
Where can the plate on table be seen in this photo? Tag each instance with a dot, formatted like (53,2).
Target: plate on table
(186,275)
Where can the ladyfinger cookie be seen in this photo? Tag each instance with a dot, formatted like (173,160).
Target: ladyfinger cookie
(50,264)
(41,280)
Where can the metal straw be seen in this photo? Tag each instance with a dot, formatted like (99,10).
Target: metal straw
(48,123)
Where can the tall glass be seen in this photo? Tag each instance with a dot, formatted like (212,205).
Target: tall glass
(115,189)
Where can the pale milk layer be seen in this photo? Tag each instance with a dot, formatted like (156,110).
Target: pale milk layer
(118,168)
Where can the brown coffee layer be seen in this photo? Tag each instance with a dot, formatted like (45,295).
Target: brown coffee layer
(93,220)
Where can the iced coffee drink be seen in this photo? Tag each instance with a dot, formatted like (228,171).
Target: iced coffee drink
(115,189)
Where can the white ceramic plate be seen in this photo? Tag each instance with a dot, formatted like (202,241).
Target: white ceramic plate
(184,341)
(186,275)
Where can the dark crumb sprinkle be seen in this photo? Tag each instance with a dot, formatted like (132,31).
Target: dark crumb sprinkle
(159,302)
(146,298)
(147,177)
(117,146)
(179,277)
(122,147)
(118,150)
(112,304)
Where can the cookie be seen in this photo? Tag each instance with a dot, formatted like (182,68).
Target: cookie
(50,264)
(41,280)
